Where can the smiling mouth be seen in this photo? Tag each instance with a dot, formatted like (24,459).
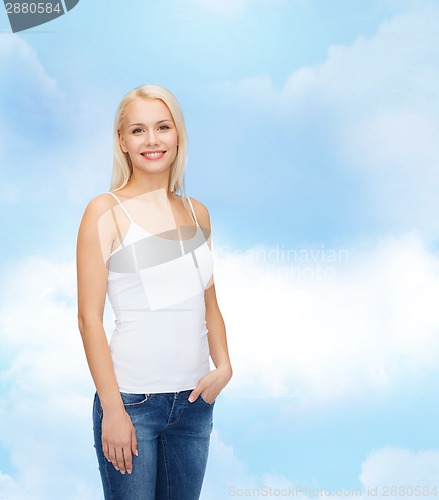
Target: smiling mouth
(153,155)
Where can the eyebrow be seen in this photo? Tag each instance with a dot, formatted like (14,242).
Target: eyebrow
(142,124)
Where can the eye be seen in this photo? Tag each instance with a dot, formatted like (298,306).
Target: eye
(164,127)
(136,130)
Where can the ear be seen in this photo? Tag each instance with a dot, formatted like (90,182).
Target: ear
(122,142)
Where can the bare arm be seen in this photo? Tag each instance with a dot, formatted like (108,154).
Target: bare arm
(216,332)
(93,245)
(213,383)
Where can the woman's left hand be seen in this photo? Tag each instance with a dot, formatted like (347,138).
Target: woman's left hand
(211,384)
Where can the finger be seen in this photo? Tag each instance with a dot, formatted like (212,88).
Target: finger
(120,460)
(193,396)
(105,451)
(128,459)
(112,456)
(134,449)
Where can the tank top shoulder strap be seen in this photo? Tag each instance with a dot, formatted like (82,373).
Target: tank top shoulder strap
(193,211)
(121,205)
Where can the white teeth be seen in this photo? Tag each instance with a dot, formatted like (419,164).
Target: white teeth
(153,155)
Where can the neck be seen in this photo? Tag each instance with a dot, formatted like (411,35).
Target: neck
(140,183)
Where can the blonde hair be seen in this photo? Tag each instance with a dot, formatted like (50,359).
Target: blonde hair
(122,167)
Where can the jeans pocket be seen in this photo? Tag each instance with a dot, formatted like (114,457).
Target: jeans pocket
(130,400)
(206,402)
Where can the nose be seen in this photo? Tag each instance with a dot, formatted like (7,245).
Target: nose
(151,139)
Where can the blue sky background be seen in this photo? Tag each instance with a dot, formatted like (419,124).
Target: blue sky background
(313,130)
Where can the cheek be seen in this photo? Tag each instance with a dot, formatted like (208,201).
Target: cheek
(130,142)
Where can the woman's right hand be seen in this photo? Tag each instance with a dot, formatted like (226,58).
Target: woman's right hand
(119,440)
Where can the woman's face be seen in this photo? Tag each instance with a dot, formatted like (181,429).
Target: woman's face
(149,135)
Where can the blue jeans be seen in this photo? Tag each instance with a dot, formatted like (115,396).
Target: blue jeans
(173,443)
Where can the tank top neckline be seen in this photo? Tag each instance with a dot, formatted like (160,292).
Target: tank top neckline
(135,225)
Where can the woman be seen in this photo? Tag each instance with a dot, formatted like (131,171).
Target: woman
(149,249)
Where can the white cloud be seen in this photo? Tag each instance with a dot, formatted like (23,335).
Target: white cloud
(375,102)
(54,132)
(29,97)
(395,67)
(30,72)
(389,472)
(9,489)
(229,476)
(316,326)
(401,473)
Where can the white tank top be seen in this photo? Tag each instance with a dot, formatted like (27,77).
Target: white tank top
(156,289)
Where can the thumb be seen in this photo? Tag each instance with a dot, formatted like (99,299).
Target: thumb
(193,396)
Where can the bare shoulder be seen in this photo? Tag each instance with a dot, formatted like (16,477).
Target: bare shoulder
(201,212)
(100,204)
(96,231)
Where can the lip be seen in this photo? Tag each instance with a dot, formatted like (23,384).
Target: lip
(153,155)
